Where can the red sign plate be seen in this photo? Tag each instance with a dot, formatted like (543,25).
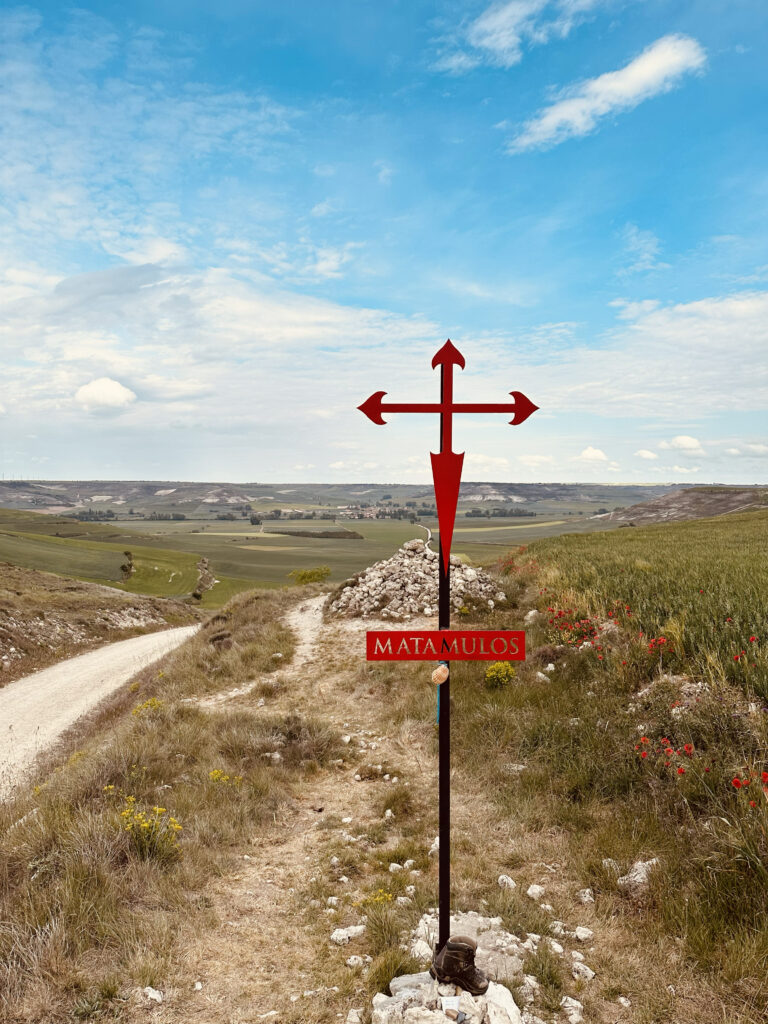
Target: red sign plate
(446,645)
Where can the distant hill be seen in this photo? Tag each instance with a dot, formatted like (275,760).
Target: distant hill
(190,498)
(691,503)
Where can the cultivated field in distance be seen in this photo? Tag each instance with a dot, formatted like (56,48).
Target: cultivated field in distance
(219,539)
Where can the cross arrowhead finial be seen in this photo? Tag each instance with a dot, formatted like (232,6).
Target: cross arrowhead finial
(448,354)
(372,408)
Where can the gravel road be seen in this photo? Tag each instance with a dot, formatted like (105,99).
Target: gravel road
(36,710)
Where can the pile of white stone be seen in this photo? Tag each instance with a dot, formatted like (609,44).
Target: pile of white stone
(418,999)
(406,585)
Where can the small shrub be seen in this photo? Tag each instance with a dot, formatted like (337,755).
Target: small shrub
(153,704)
(319,574)
(498,675)
(153,835)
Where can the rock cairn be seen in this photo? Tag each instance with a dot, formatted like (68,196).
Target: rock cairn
(406,585)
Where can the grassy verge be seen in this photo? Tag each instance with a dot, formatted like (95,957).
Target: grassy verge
(646,739)
(109,853)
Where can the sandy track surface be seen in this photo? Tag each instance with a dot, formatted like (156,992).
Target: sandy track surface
(36,710)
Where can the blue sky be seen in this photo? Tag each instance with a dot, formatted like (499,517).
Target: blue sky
(223,225)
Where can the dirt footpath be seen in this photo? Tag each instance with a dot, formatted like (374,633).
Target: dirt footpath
(36,710)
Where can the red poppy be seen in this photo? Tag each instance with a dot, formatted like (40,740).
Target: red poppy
(688,748)
(644,739)
(752,803)
(735,657)
(736,783)
(752,639)
(643,753)
(764,777)
(681,771)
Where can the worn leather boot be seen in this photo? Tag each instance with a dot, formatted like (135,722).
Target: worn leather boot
(455,965)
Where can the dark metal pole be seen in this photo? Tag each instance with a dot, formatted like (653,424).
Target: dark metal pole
(444,731)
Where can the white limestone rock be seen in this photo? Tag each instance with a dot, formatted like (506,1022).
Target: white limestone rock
(581,972)
(341,936)
(535,892)
(505,882)
(573,1010)
(638,876)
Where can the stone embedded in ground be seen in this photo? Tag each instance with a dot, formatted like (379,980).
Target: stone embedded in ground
(572,1009)
(406,585)
(585,896)
(638,875)
(341,936)
(581,972)
(584,934)
(623,1001)
(505,882)
(535,891)
(153,994)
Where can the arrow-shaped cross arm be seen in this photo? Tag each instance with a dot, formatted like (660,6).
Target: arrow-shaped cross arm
(374,407)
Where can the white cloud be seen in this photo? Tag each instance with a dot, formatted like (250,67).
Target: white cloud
(629,310)
(323,209)
(498,35)
(686,469)
(658,69)
(532,461)
(476,462)
(329,261)
(683,443)
(104,394)
(642,249)
(591,454)
(500,29)
(748,448)
(644,453)
(384,171)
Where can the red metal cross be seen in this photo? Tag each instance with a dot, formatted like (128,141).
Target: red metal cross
(447,464)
